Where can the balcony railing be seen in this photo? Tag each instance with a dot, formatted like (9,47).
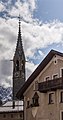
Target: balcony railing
(50,85)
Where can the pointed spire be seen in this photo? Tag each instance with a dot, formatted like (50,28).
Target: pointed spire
(19,40)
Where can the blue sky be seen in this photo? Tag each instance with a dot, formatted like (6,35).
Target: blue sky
(42,30)
(48,10)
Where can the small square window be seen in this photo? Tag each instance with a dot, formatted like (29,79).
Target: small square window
(21,115)
(61,96)
(51,98)
(11,115)
(4,116)
(47,78)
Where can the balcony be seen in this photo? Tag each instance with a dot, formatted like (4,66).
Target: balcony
(50,85)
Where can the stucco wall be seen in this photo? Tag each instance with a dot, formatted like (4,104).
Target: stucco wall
(45,111)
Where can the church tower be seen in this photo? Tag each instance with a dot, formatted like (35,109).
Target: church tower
(18,65)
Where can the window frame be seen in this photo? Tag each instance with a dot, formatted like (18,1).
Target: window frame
(50,97)
(11,115)
(54,75)
(4,115)
(21,116)
(46,77)
(61,71)
(61,114)
(61,98)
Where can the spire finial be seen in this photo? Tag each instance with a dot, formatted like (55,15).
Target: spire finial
(19,32)
(19,22)
(19,19)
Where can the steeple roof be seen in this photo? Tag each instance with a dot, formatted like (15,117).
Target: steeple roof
(19,46)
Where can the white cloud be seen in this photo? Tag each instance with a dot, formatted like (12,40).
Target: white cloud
(41,53)
(22,9)
(30,66)
(32,4)
(2,7)
(35,36)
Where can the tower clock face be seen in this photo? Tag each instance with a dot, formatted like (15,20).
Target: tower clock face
(16,74)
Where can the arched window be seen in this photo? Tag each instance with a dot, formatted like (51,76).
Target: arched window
(17,65)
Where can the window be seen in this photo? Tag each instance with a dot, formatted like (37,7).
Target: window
(61,97)
(21,115)
(17,65)
(4,116)
(61,72)
(55,61)
(47,78)
(51,98)
(11,115)
(35,100)
(55,76)
(61,115)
